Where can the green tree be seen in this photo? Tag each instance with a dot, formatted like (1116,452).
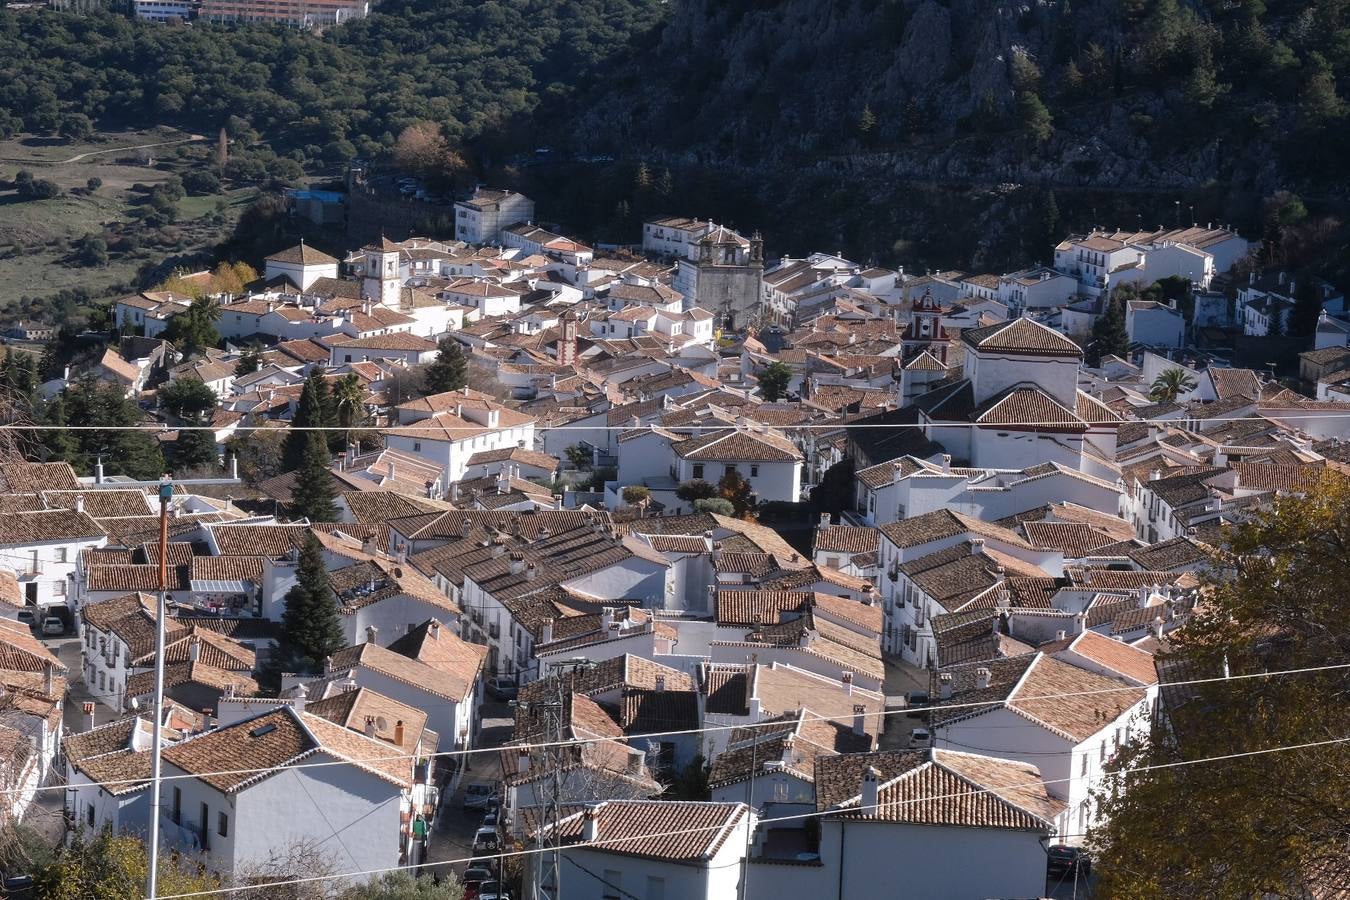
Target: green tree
(1281,608)
(1109,336)
(1036,119)
(194,329)
(312,496)
(737,491)
(867,123)
(195,446)
(697,489)
(773,380)
(112,866)
(406,886)
(636,495)
(450,370)
(314,410)
(187,397)
(1307,307)
(1318,102)
(349,396)
(716,505)
(311,630)
(58,441)
(1170,384)
(248,363)
(131,452)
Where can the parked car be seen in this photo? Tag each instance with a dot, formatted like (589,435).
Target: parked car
(476,875)
(52,626)
(62,612)
(493,890)
(490,820)
(503,687)
(485,840)
(1062,860)
(477,796)
(920,737)
(28,616)
(916,700)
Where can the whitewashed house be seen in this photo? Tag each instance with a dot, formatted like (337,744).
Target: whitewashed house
(479,219)
(42,548)
(1154,324)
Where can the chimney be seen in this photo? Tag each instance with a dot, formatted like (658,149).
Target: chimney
(195,648)
(1157,627)
(945,685)
(660,684)
(1154,474)
(946,462)
(1061,635)
(871,784)
(498,548)
(398,732)
(466,526)
(49,680)
(847,679)
(79,503)
(98,471)
(522,761)
(1080,623)
(370,726)
(824,520)
(371,634)
(530,571)
(976,546)
(546,631)
(517,565)
(982,676)
(859,720)
(434,630)
(590,826)
(88,714)
(606,618)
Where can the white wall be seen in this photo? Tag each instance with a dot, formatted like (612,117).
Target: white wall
(990,373)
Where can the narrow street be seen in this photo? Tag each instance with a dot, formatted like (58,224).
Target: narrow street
(453,831)
(900,678)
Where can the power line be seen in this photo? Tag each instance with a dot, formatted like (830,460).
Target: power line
(475,429)
(609,843)
(778,725)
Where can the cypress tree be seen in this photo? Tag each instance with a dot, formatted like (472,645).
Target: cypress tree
(1109,335)
(195,447)
(308,414)
(312,496)
(310,628)
(61,446)
(448,372)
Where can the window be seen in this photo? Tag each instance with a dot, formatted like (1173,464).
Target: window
(89,814)
(1101,755)
(754,471)
(205,823)
(1083,771)
(223,825)
(698,470)
(346,357)
(178,806)
(656,888)
(729,468)
(61,554)
(102,683)
(417,446)
(613,885)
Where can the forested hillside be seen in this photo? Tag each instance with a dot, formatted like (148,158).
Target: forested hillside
(463,64)
(1110,92)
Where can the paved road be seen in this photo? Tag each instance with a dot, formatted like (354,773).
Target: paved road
(901,677)
(452,833)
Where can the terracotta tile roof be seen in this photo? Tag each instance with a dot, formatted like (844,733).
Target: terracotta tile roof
(195,673)
(101,504)
(738,445)
(514,454)
(213,649)
(351,708)
(690,831)
(1074,538)
(398,340)
(48,525)
(302,254)
(227,568)
(440,680)
(1293,478)
(23,477)
(727,689)
(21,651)
(939,787)
(131,618)
(1117,656)
(645,712)
(1024,405)
(943,523)
(750,607)
(379,506)
(1075,717)
(1171,554)
(134,578)
(846,539)
(782,689)
(437,646)
(1021,336)
(273,741)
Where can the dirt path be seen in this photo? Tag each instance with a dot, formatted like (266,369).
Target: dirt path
(79,156)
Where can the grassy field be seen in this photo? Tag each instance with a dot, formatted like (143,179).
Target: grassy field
(36,236)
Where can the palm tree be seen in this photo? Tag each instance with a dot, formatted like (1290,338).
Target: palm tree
(350,396)
(1170,384)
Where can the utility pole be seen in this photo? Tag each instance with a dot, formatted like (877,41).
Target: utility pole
(165,495)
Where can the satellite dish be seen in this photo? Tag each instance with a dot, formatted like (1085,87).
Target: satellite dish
(381,723)
(398,573)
